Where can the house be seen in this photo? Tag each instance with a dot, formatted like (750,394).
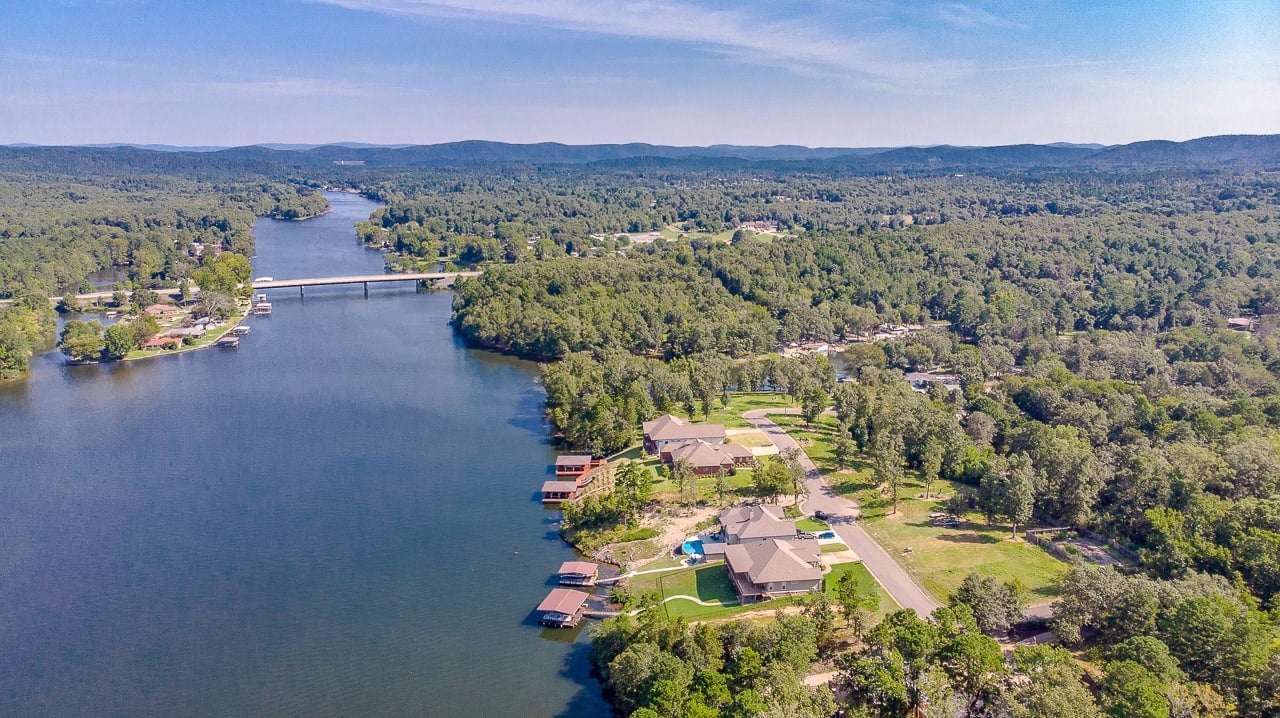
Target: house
(668,430)
(562,608)
(575,464)
(160,342)
(741,455)
(754,522)
(161,310)
(705,459)
(578,573)
(920,381)
(554,492)
(775,567)
(1243,324)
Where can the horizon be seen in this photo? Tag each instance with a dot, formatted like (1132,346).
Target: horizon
(666,72)
(284,146)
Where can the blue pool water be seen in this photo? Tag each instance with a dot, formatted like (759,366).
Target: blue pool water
(692,547)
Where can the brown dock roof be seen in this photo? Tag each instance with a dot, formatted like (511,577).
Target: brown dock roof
(578,568)
(573,460)
(563,600)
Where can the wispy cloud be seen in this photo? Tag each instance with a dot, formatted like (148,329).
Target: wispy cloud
(968,16)
(804,45)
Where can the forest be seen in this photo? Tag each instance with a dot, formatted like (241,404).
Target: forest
(64,222)
(1112,329)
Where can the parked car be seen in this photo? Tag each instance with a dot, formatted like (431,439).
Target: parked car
(821,515)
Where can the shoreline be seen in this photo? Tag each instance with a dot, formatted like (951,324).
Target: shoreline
(225,329)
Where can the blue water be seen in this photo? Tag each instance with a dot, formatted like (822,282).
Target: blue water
(691,548)
(337,519)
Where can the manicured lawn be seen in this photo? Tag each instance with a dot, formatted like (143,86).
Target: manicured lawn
(710,582)
(812,525)
(834,547)
(749,439)
(942,556)
(743,401)
(866,585)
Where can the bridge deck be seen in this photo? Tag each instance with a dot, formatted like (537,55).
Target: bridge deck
(362,279)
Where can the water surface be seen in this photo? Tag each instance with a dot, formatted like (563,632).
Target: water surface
(335,519)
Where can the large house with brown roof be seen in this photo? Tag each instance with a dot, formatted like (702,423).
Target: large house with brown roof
(767,569)
(755,522)
(668,430)
(707,458)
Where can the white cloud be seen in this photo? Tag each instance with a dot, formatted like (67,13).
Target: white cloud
(806,45)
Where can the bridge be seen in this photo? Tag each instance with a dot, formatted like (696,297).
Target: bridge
(443,278)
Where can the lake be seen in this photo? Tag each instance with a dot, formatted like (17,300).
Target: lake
(339,518)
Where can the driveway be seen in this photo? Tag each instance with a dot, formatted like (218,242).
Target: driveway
(841,515)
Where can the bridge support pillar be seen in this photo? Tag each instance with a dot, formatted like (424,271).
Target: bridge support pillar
(366,290)
(301,294)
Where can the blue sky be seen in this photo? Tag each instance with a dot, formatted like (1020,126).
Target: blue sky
(817,72)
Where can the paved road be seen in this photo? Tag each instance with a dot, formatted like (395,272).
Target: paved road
(842,514)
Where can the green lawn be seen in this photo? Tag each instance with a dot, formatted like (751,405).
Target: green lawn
(866,585)
(743,401)
(710,582)
(942,556)
(812,525)
(834,547)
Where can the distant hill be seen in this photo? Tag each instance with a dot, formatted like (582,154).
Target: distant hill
(1261,151)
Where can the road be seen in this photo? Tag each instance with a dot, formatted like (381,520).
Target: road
(842,515)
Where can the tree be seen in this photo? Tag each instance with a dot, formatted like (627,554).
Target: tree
(995,606)
(981,428)
(82,341)
(1006,491)
(771,478)
(931,464)
(69,304)
(633,487)
(818,609)
(118,341)
(795,473)
(1045,681)
(812,401)
(855,606)
(681,474)
(722,483)
(216,304)
(843,448)
(886,462)
(1019,493)
(143,328)
(1131,692)
(975,665)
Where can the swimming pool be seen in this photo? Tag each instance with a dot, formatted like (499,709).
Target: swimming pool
(692,547)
